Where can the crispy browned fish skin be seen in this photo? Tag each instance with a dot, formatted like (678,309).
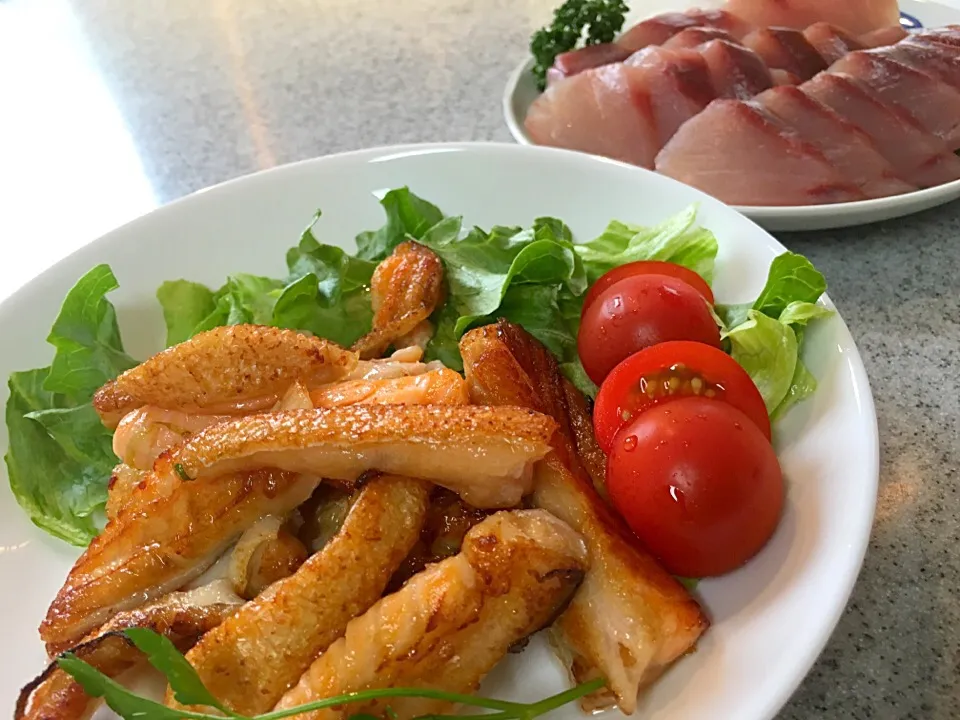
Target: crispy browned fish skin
(630,619)
(405,289)
(124,483)
(182,617)
(228,370)
(482,453)
(249,661)
(591,457)
(265,553)
(453,622)
(157,546)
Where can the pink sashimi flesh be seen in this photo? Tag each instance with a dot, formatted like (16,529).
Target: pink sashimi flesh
(854,16)
(918,157)
(742,155)
(786,49)
(934,104)
(600,111)
(831,42)
(736,71)
(847,147)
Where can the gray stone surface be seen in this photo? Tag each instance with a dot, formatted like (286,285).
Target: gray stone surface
(212,90)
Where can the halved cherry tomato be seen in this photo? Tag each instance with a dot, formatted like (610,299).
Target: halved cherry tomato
(669,371)
(698,483)
(648,267)
(637,312)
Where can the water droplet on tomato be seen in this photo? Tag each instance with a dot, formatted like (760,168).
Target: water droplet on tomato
(630,443)
(738,426)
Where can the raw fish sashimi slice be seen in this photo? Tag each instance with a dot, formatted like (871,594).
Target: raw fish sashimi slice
(854,16)
(599,112)
(846,146)
(741,155)
(736,72)
(941,61)
(697,36)
(657,30)
(586,58)
(786,49)
(949,35)
(883,36)
(934,104)
(831,42)
(916,156)
(677,83)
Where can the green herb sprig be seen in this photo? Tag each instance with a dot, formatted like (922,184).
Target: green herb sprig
(188,689)
(593,21)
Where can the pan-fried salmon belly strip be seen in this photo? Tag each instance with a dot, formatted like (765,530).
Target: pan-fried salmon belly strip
(436,387)
(405,289)
(146,432)
(484,454)
(630,619)
(450,624)
(182,617)
(228,370)
(155,547)
(203,494)
(250,660)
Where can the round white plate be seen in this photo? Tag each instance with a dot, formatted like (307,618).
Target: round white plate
(770,619)
(522,90)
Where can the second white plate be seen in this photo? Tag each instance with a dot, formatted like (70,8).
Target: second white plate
(521,91)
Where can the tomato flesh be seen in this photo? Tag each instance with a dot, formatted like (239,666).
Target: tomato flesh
(648,267)
(637,312)
(669,371)
(698,483)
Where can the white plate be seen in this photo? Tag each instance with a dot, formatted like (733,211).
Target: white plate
(521,91)
(770,619)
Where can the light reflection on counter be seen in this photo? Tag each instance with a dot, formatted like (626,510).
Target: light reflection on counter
(69,170)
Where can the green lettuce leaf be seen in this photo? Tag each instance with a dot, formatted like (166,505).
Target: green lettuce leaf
(326,293)
(305,305)
(60,456)
(766,336)
(678,240)
(407,215)
(59,488)
(185,305)
(802,385)
(482,267)
(444,345)
(87,338)
(767,349)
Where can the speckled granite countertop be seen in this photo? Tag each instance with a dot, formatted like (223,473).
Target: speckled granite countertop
(111,107)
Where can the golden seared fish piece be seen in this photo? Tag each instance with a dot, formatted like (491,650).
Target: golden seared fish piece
(450,624)
(183,617)
(482,453)
(203,494)
(124,483)
(161,543)
(630,619)
(435,387)
(228,370)
(144,433)
(580,416)
(265,553)
(253,658)
(402,363)
(405,289)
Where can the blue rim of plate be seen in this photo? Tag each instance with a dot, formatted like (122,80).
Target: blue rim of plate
(909,22)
